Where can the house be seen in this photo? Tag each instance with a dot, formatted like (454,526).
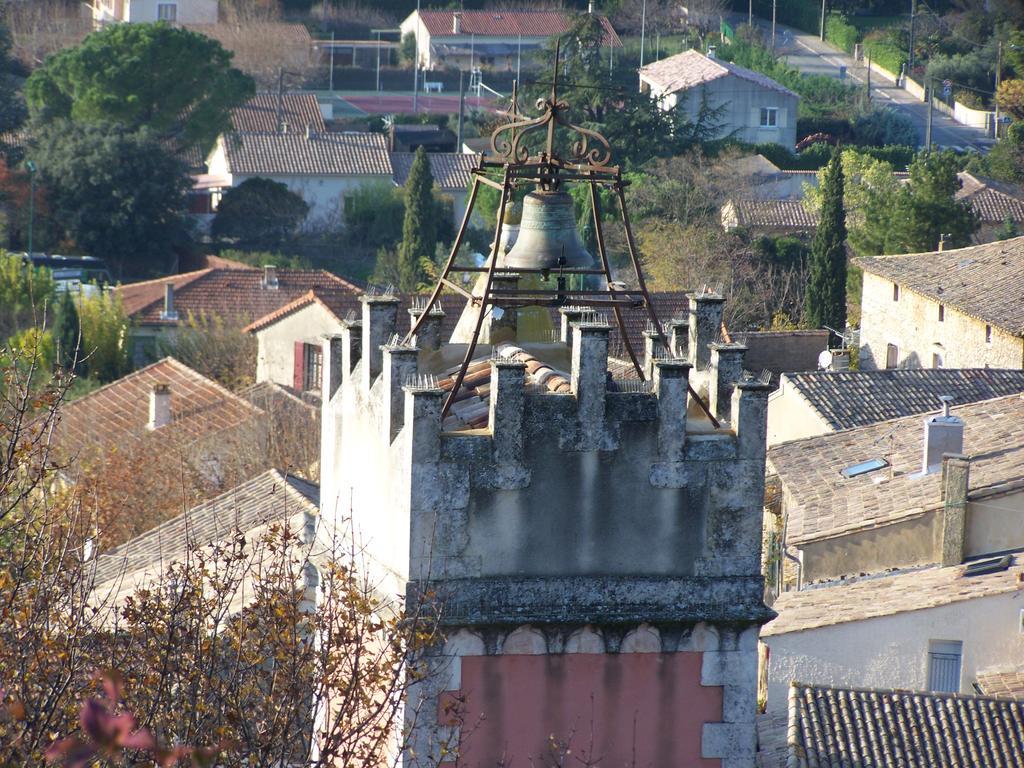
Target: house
(933,629)
(781,352)
(905,493)
(136,11)
(267,112)
(488,39)
(236,296)
(821,402)
(324,168)
(409,138)
(875,727)
(755,108)
(769,217)
(452,172)
(994,203)
(946,309)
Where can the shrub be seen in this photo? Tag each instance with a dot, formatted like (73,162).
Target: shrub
(833,126)
(885,51)
(259,211)
(884,126)
(839,31)
(899,157)
(104,336)
(372,215)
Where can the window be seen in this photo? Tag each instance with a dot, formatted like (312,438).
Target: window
(167,11)
(942,313)
(311,366)
(988,334)
(944,665)
(769,117)
(895,292)
(892,356)
(936,360)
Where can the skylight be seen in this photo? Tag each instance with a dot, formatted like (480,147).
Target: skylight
(863,468)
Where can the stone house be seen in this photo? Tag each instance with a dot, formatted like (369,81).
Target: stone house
(756,109)
(881,726)
(141,11)
(235,296)
(822,402)
(769,217)
(488,39)
(994,203)
(934,629)
(946,309)
(904,493)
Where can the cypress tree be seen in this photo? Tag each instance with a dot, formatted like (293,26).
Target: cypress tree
(67,334)
(419,229)
(825,300)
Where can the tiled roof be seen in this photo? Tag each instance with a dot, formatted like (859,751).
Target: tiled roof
(236,294)
(788,214)
(691,68)
(821,503)
(260,113)
(873,728)
(271,495)
(847,399)
(451,170)
(993,202)
(873,597)
(117,414)
(321,154)
(782,351)
(1005,682)
(439,23)
(985,281)
(269,395)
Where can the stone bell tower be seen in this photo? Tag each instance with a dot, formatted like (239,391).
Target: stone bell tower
(588,527)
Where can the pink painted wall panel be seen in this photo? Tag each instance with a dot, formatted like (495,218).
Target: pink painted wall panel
(630,710)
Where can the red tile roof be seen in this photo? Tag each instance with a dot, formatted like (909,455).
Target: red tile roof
(235,294)
(691,68)
(507,24)
(269,153)
(117,414)
(298,109)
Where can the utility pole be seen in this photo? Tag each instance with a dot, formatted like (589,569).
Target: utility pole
(821,35)
(519,56)
(378,60)
(657,45)
(416,61)
(643,30)
(750,14)
(462,109)
(773,25)
(869,78)
(280,98)
(999,72)
(331,85)
(910,57)
(928,91)
(31,203)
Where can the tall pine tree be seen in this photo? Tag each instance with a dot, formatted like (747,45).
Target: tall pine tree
(419,229)
(67,334)
(825,300)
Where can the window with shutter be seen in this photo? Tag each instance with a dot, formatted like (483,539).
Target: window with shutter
(944,658)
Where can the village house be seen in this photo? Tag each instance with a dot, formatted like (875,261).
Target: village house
(769,217)
(905,493)
(235,296)
(820,402)
(879,726)
(947,309)
(755,108)
(501,40)
(933,629)
(141,11)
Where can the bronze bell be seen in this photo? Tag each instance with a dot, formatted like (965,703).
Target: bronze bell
(547,235)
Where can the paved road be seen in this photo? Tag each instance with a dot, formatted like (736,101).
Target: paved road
(810,55)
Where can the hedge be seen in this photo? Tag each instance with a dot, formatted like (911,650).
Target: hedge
(885,55)
(840,32)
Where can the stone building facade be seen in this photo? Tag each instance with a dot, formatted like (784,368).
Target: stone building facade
(594,550)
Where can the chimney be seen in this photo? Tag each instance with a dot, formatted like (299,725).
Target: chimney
(705,326)
(956,475)
(309,131)
(270,277)
(457,24)
(711,51)
(942,434)
(159,407)
(284,126)
(429,334)
(169,312)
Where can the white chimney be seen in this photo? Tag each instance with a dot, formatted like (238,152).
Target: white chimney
(159,407)
(457,24)
(169,312)
(309,131)
(711,51)
(942,434)
(270,277)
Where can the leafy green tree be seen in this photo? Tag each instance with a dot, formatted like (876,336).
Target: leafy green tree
(12,106)
(105,328)
(259,212)
(1008,230)
(407,49)
(177,83)
(26,293)
(419,228)
(118,193)
(825,300)
(67,334)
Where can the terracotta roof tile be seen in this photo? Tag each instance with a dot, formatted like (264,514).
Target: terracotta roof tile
(451,170)
(1005,682)
(847,399)
(992,201)
(984,281)
(271,495)
(295,154)
(691,68)
(873,728)
(117,414)
(821,503)
(236,294)
(788,214)
(260,113)
(439,23)
(872,597)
